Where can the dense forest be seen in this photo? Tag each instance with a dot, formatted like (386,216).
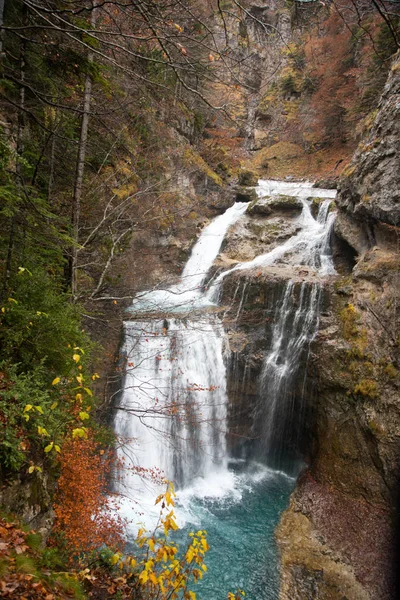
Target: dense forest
(123,123)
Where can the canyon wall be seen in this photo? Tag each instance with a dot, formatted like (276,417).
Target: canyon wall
(337,539)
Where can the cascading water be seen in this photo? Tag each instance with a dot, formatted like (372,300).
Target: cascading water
(173,410)
(172,415)
(279,414)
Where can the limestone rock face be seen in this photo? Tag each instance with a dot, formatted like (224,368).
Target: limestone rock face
(337,539)
(371,189)
(247,177)
(255,235)
(245,194)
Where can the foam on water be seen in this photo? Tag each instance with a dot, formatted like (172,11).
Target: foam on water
(300,189)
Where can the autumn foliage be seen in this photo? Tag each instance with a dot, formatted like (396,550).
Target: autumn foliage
(83,509)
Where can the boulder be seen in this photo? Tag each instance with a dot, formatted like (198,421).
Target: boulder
(245,194)
(269,204)
(248,178)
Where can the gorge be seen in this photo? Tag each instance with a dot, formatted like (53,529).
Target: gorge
(176,413)
(200,284)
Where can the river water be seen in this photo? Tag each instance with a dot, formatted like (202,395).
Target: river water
(173,410)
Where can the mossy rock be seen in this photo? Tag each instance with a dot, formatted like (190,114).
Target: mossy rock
(245,194)
(248,178)
(259,207)
(268,204)
(316,203)
(326,184)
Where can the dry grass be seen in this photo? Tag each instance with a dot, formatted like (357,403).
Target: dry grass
(287,159)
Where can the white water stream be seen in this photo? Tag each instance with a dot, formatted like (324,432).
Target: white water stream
(172,412)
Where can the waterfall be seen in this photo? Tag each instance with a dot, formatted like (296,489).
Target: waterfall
(278,419)
(172,414)
(171,418)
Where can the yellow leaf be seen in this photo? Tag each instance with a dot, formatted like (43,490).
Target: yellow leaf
(79,432)
(133,562)
(57,448)
(12,300)
(143,577)
(204,544)
(55,381)
(151,544)
(28,407)
(39,409)
(88,391)
(83,416)
(76,357)
(79,397)
(192,595)
(49,448)
(79,378)
(31,469)
(189,555)
(54,405)
(26,417)
(148,565)
(153,578)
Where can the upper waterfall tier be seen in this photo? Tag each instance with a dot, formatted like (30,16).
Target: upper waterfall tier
(187,294)
(307,247)
(300,189)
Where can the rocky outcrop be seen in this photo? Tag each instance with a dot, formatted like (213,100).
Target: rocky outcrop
(252,301)
(371,190)
(337,536)
(280,202)
(255,235)
(31,498)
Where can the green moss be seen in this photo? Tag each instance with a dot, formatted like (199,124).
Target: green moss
(366,388)
(70,586)
(375,427)
(248,178)
(33,540)
(350,318)
(3,567)
(25,564)
(391,371)
(193,159)
(348,171)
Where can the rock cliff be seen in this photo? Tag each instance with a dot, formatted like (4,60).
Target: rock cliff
(337,537)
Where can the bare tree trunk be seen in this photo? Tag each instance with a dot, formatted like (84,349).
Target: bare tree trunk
(19,148)
(80,165)
(52,160)
(2,3)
